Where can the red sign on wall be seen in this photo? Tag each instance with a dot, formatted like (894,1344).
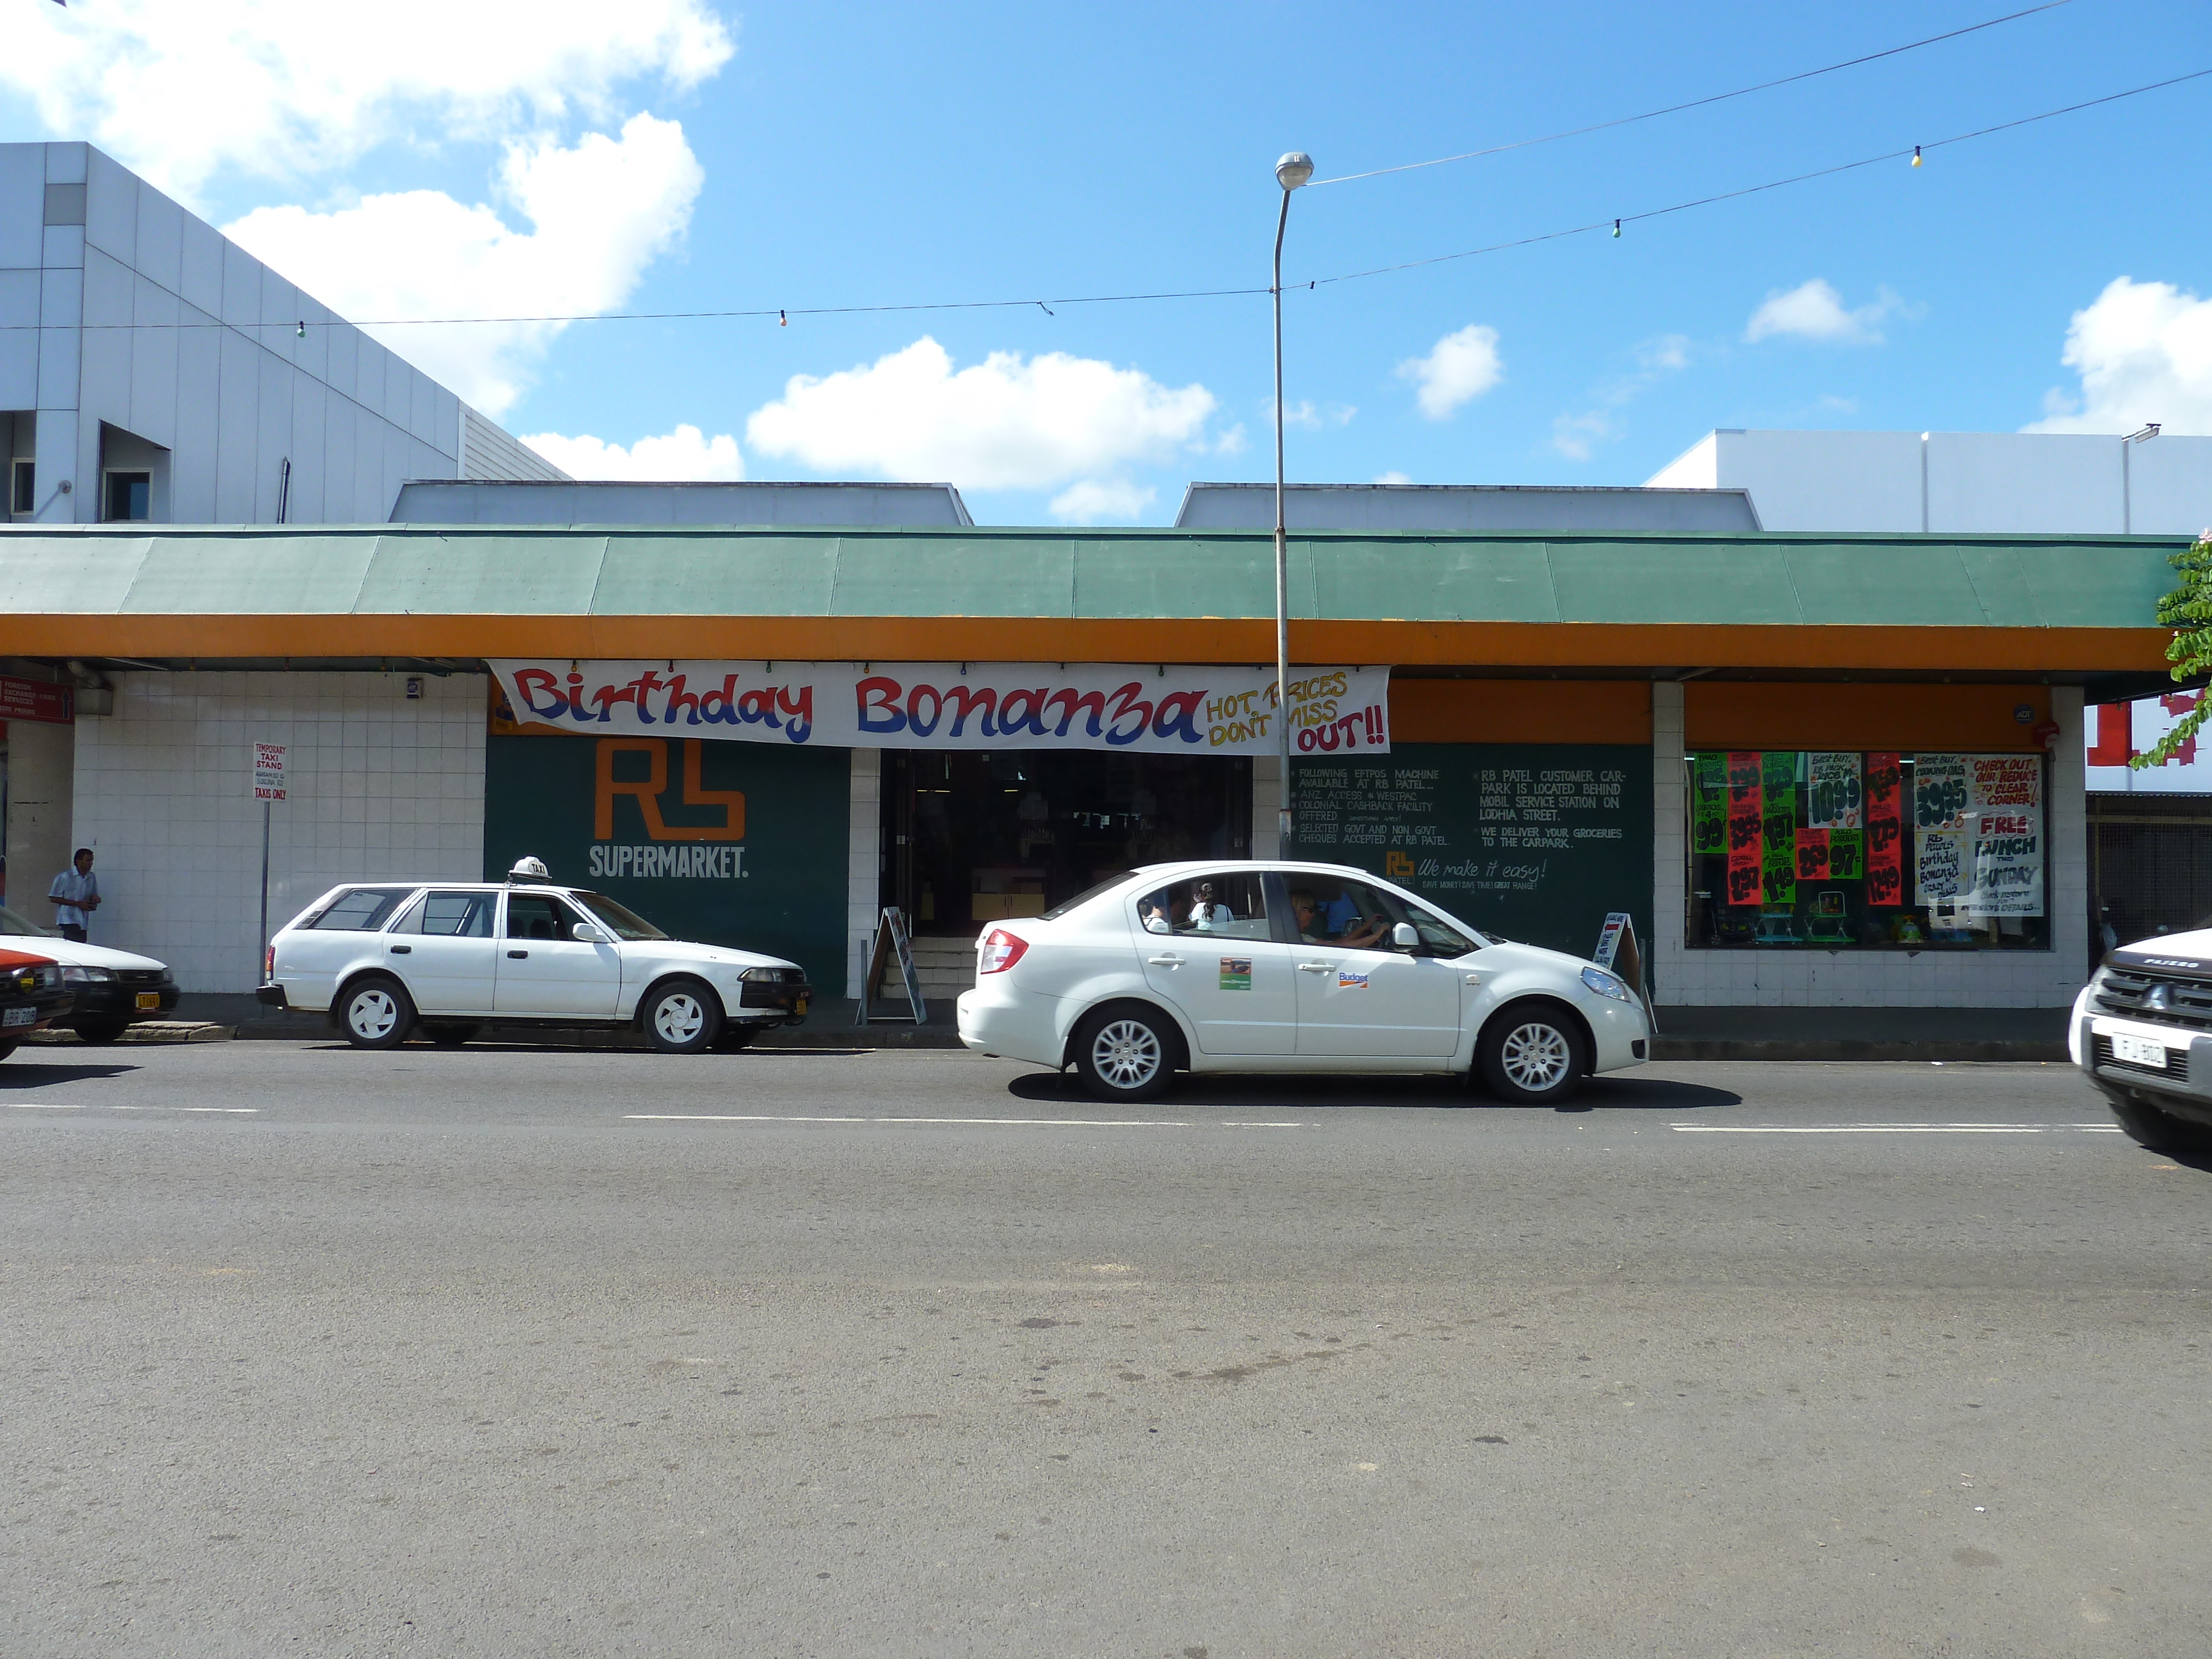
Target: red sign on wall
(35,699)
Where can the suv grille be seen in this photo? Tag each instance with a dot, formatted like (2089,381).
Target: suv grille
(141,975)
(2158,998)
(2175,1069)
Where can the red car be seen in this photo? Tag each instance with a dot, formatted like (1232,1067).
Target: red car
(30,996)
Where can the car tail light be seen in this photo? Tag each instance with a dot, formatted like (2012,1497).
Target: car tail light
(1001,951)
(269,963)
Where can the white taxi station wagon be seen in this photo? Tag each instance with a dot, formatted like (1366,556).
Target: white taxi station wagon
(1243,966)
(384,958)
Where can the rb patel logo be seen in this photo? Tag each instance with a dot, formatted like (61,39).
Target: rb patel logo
(683,851)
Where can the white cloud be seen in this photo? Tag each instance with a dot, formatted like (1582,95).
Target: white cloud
(1091,499)
(1460,368)
(1392,477)
(2143,351)
(1305,415)
(1005,423)
(1574,435)
(1814,310)
(601,212)
(278,89)
(684,456)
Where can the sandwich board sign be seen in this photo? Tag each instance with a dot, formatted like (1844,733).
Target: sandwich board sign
(1616,951)
(893,943)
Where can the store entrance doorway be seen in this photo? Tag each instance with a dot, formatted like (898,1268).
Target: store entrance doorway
(971,838)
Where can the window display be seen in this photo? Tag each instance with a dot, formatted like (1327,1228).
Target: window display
(1865,849)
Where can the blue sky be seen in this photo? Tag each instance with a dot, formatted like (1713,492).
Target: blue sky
(831,155)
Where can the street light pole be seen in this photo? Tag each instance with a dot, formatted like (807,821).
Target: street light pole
(1292,171)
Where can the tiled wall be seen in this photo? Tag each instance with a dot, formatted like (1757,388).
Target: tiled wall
(1879,979)
(864,867)
(381,787)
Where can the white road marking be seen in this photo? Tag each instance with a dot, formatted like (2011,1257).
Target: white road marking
(1229,1123)
(59,1106)
(1893,1129)
(1025,1123)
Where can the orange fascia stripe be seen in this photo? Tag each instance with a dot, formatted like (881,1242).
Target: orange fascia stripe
(2031,651)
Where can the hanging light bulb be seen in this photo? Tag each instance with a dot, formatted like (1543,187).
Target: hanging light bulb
(301,327)
(781,321)
(1616,229)
(1916,155)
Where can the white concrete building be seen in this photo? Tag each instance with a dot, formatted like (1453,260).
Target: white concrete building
(152,369)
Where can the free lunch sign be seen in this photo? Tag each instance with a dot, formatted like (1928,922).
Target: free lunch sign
(1144,708)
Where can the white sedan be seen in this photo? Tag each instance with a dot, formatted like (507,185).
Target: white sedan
(382,957)
(1288,967)
(112,989)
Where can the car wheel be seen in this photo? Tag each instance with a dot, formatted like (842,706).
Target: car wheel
(376,1013)
(1530,1055)
(2152,1126)
(451,1036)
(100,1030)
(1126,1053)
(736,1037)
(682,1017)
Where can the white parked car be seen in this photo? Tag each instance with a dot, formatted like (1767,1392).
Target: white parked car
(112,989)
(454,956)
(1287,967)
(2141,1029)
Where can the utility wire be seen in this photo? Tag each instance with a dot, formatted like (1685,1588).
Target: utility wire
(1695,103)
(1185,294)
(1755,190)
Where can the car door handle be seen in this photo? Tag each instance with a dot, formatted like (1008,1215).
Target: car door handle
(401,950)
(517,955)
(1164,962)
(1315,967)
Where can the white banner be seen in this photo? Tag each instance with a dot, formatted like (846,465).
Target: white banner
(1181,711)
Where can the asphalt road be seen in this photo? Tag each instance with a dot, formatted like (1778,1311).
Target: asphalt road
(510,1351)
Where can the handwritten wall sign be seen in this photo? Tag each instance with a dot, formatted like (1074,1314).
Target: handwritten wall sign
(1832,778)
(1885,828)
(1939,792)
(1745,830)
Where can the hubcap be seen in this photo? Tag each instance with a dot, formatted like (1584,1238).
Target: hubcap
(373,1014)
(679,1016)
(1536,1057)
(1127,1053)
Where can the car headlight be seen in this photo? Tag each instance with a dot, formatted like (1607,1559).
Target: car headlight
(1605,985)
(763,975)
(72,975)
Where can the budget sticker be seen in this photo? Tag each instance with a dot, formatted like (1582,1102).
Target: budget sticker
(1235,972)
(1348,981)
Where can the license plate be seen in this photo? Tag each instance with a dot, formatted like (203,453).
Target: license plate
(149,999)
(20,1017)
(798,1008)
(2138,1051)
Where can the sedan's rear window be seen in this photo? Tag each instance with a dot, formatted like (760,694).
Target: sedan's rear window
(361,910)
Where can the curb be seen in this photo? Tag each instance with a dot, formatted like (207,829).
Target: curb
(144,1033)
(1829,1048)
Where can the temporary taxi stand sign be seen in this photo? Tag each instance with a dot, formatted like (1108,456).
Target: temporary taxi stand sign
(268,787)
(893,943)
(1142,708)
(1617,953)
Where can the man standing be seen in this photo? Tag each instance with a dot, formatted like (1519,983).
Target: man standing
(75,896)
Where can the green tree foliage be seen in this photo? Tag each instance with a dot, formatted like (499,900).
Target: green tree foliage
(2188,611)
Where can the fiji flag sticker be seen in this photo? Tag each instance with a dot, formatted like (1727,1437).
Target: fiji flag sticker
(1235,972)
(1348,981)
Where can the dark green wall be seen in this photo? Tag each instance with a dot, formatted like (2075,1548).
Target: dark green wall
(1425,816)
(790,900)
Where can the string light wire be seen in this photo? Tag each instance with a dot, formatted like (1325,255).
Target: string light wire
(1610,221)
(1695,103)
(1911,150)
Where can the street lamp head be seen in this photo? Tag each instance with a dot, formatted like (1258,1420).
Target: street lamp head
(2146,432)
(1294,169)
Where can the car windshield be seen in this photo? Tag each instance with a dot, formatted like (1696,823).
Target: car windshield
(622,922)
(1086,896)
(22,926)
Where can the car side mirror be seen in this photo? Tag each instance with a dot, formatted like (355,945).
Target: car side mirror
(1405,937)
(585,933)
